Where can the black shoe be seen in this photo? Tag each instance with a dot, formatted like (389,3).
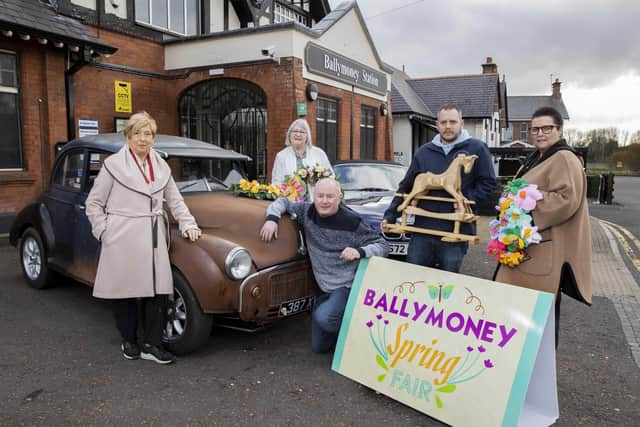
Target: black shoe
(157,354)
(130,351)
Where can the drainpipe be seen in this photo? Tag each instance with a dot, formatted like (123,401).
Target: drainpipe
(68,97)
(353,93)
(43,166)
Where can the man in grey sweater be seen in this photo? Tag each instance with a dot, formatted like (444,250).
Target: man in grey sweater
(337,238)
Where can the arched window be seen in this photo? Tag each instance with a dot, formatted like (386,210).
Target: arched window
(230,113)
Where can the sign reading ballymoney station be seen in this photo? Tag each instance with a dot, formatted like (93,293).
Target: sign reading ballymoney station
(330,64)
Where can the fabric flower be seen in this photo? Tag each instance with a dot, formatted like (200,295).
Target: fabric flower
(488,364)
(527,197)
(513,231)
(495,248)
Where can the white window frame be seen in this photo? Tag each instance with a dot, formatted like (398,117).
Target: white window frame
(282,13)
(524,127)
(14,90)
(168,29)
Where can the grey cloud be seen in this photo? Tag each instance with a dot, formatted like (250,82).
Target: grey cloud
(584,43)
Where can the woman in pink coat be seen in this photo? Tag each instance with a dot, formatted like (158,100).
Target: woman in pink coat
(125,209)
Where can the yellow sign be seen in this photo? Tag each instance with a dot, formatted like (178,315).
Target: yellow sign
(123,96)
(458,348)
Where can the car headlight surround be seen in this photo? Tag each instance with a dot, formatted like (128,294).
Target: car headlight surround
(237,263)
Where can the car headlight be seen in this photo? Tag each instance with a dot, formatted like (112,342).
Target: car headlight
(237,264)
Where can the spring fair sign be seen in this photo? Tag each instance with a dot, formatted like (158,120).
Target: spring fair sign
(458,348)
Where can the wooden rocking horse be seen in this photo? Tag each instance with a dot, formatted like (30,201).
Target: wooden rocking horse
(449,181)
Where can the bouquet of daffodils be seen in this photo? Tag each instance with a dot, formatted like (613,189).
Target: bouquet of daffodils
(255,190)
(513,232)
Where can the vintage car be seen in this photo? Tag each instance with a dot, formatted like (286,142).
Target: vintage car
(229,276)
(368,187)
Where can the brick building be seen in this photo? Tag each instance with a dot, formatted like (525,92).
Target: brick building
(233,73)
(522,107)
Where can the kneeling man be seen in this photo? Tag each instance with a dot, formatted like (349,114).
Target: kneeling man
(336,238)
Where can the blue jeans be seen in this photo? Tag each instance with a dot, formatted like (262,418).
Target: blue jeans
(432,252)
(326,319)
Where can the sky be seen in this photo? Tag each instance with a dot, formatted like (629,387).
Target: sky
(591,46)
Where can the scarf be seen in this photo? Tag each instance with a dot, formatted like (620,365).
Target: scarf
(535,158)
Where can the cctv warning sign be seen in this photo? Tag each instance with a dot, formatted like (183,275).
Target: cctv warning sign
(123,96)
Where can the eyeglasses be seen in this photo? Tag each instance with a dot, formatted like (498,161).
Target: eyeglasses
(545,129)
(302,131)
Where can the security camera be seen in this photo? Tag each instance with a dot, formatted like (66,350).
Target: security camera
(269,51)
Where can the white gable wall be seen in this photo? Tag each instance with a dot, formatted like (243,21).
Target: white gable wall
(347,37)
(402,138)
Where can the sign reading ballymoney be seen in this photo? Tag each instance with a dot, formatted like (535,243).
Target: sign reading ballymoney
(330,64)
(457,348)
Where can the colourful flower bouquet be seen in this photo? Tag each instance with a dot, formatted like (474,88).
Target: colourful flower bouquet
(295,186)
(311,174)
(513,232)
(255,190)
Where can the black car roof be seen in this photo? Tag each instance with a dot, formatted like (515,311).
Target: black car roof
(167,145)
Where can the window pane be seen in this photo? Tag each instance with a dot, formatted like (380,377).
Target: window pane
(142,10)
(8,70)
(95,164)
(10,151)
(366,133)
(159,13)
(177,16)
(72,171)
(192,17)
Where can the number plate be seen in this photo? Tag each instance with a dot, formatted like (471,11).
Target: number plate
(295,306)
(398,248)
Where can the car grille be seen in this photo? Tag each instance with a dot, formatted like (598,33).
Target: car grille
(290,283)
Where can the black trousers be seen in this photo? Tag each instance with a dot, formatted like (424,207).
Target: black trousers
(154,317)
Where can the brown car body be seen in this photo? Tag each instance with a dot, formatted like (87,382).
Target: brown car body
(279,271)
(53,236)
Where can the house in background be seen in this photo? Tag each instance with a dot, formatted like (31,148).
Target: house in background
(413,122)
(516,137)
(482,98)
(235,73)
(522,107)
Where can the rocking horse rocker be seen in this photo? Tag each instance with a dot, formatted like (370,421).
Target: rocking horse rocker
(449,181)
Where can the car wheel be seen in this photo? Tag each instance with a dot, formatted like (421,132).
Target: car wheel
(33,259)
(188,328)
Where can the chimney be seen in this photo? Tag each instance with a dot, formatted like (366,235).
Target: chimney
(489,67)
(556,89)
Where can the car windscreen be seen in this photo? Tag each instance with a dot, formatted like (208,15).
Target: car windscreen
(205,174)
(369,177)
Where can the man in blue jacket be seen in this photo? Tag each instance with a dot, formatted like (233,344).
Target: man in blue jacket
(435,157)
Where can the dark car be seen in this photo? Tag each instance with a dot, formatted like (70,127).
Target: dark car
(369,187)
(228,276)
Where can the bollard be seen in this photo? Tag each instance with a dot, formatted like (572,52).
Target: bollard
(609,187)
